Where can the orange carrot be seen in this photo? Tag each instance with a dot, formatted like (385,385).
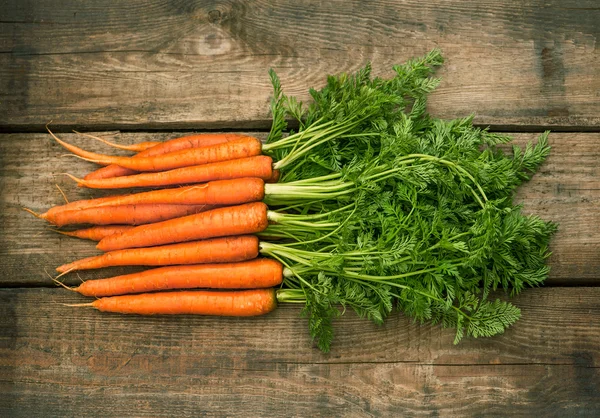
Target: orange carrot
(199,302)
(216,250)
(238,148)
(96,233)
(253,274)
(258,166)
(137,147)
(124,214)
(177,144)
(220,222)
(218,192)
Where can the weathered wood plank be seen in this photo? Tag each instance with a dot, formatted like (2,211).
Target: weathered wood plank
(74,362)
(174,64)
(566,190)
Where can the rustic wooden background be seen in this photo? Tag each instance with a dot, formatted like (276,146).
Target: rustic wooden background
(146,69)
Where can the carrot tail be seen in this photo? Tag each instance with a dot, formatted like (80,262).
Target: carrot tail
(59,283)
(79,305)
(62,193)
(37,215)
(141,146)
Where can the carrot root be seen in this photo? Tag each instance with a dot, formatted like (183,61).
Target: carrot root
(79,305)
(135,147)
(37,215)
(216,303)
(59,283)
(62,193)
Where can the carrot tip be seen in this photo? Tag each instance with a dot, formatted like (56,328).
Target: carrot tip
(59,283)
(79,305)
(64,272)
(62,193)
(72,177)
(37,215)
(111,144)
(59,231)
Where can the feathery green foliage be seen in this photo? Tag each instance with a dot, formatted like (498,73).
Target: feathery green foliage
(385,206)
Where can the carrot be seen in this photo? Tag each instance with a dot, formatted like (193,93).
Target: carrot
(124,214)
(96,233)
(258,166)
(199,302)
(217,250)
(177,144)
(218,192)
(220,222)
(253,274)
(246,146)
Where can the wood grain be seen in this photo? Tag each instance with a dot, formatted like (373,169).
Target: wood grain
(203,64)
(566,190)
(70,362)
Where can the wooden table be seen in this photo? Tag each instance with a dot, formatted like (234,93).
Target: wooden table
(154,69)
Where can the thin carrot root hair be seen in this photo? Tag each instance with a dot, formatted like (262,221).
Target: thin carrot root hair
(62,193)
(111,144)
(38,234)
(107,142)
(59,231)
(37,215)
(58,282)
(80,279)
(188,189)
(72,177)
(79,305)
(89,160)
(64,273)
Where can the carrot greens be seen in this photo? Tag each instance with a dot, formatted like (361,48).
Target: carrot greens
(419,211)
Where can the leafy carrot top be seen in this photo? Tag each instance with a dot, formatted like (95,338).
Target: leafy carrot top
(420,216)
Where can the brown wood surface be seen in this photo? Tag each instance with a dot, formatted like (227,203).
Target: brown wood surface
(566,190)
(203,64)
(75,362)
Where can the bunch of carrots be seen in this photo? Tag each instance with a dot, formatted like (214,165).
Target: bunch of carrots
(370,203)
(187,230)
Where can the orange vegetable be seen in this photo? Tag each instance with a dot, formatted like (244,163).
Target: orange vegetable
(242,147)
(258,166)
(253,274)
(230,220)
(96,233)
(218,192)
(177,144)
(124,214)
(216,250)
(200,302)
